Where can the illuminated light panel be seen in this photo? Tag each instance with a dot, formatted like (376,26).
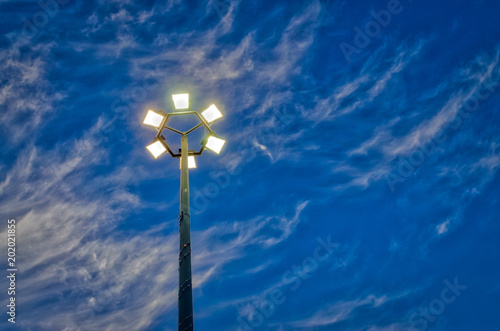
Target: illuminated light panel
(191,162)
(153,119)
(215,144)
(156,148)
(211,113)
(181,101)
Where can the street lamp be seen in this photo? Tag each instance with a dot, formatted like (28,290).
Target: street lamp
(159,120)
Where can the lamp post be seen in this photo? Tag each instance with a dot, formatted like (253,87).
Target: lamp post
(159,120)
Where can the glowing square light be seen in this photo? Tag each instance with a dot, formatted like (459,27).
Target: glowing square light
(215,144)
(153,119)
(211,113)
(181,101)
(156,148)
(191,162)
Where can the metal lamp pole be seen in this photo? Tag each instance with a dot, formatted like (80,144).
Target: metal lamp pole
(185,283)
(159,120)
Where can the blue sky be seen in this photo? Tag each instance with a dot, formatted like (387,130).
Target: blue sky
(358,188)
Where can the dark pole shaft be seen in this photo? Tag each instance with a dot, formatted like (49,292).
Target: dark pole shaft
(185,286)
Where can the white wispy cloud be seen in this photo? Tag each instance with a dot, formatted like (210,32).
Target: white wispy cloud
(362,89)
(390,146)
(443,227)
(73,259)
(338,312)
(26,95)
(346,310)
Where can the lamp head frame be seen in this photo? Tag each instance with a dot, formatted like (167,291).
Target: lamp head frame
(163,126)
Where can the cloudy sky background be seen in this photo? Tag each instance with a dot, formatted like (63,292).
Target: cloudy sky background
(382,161)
